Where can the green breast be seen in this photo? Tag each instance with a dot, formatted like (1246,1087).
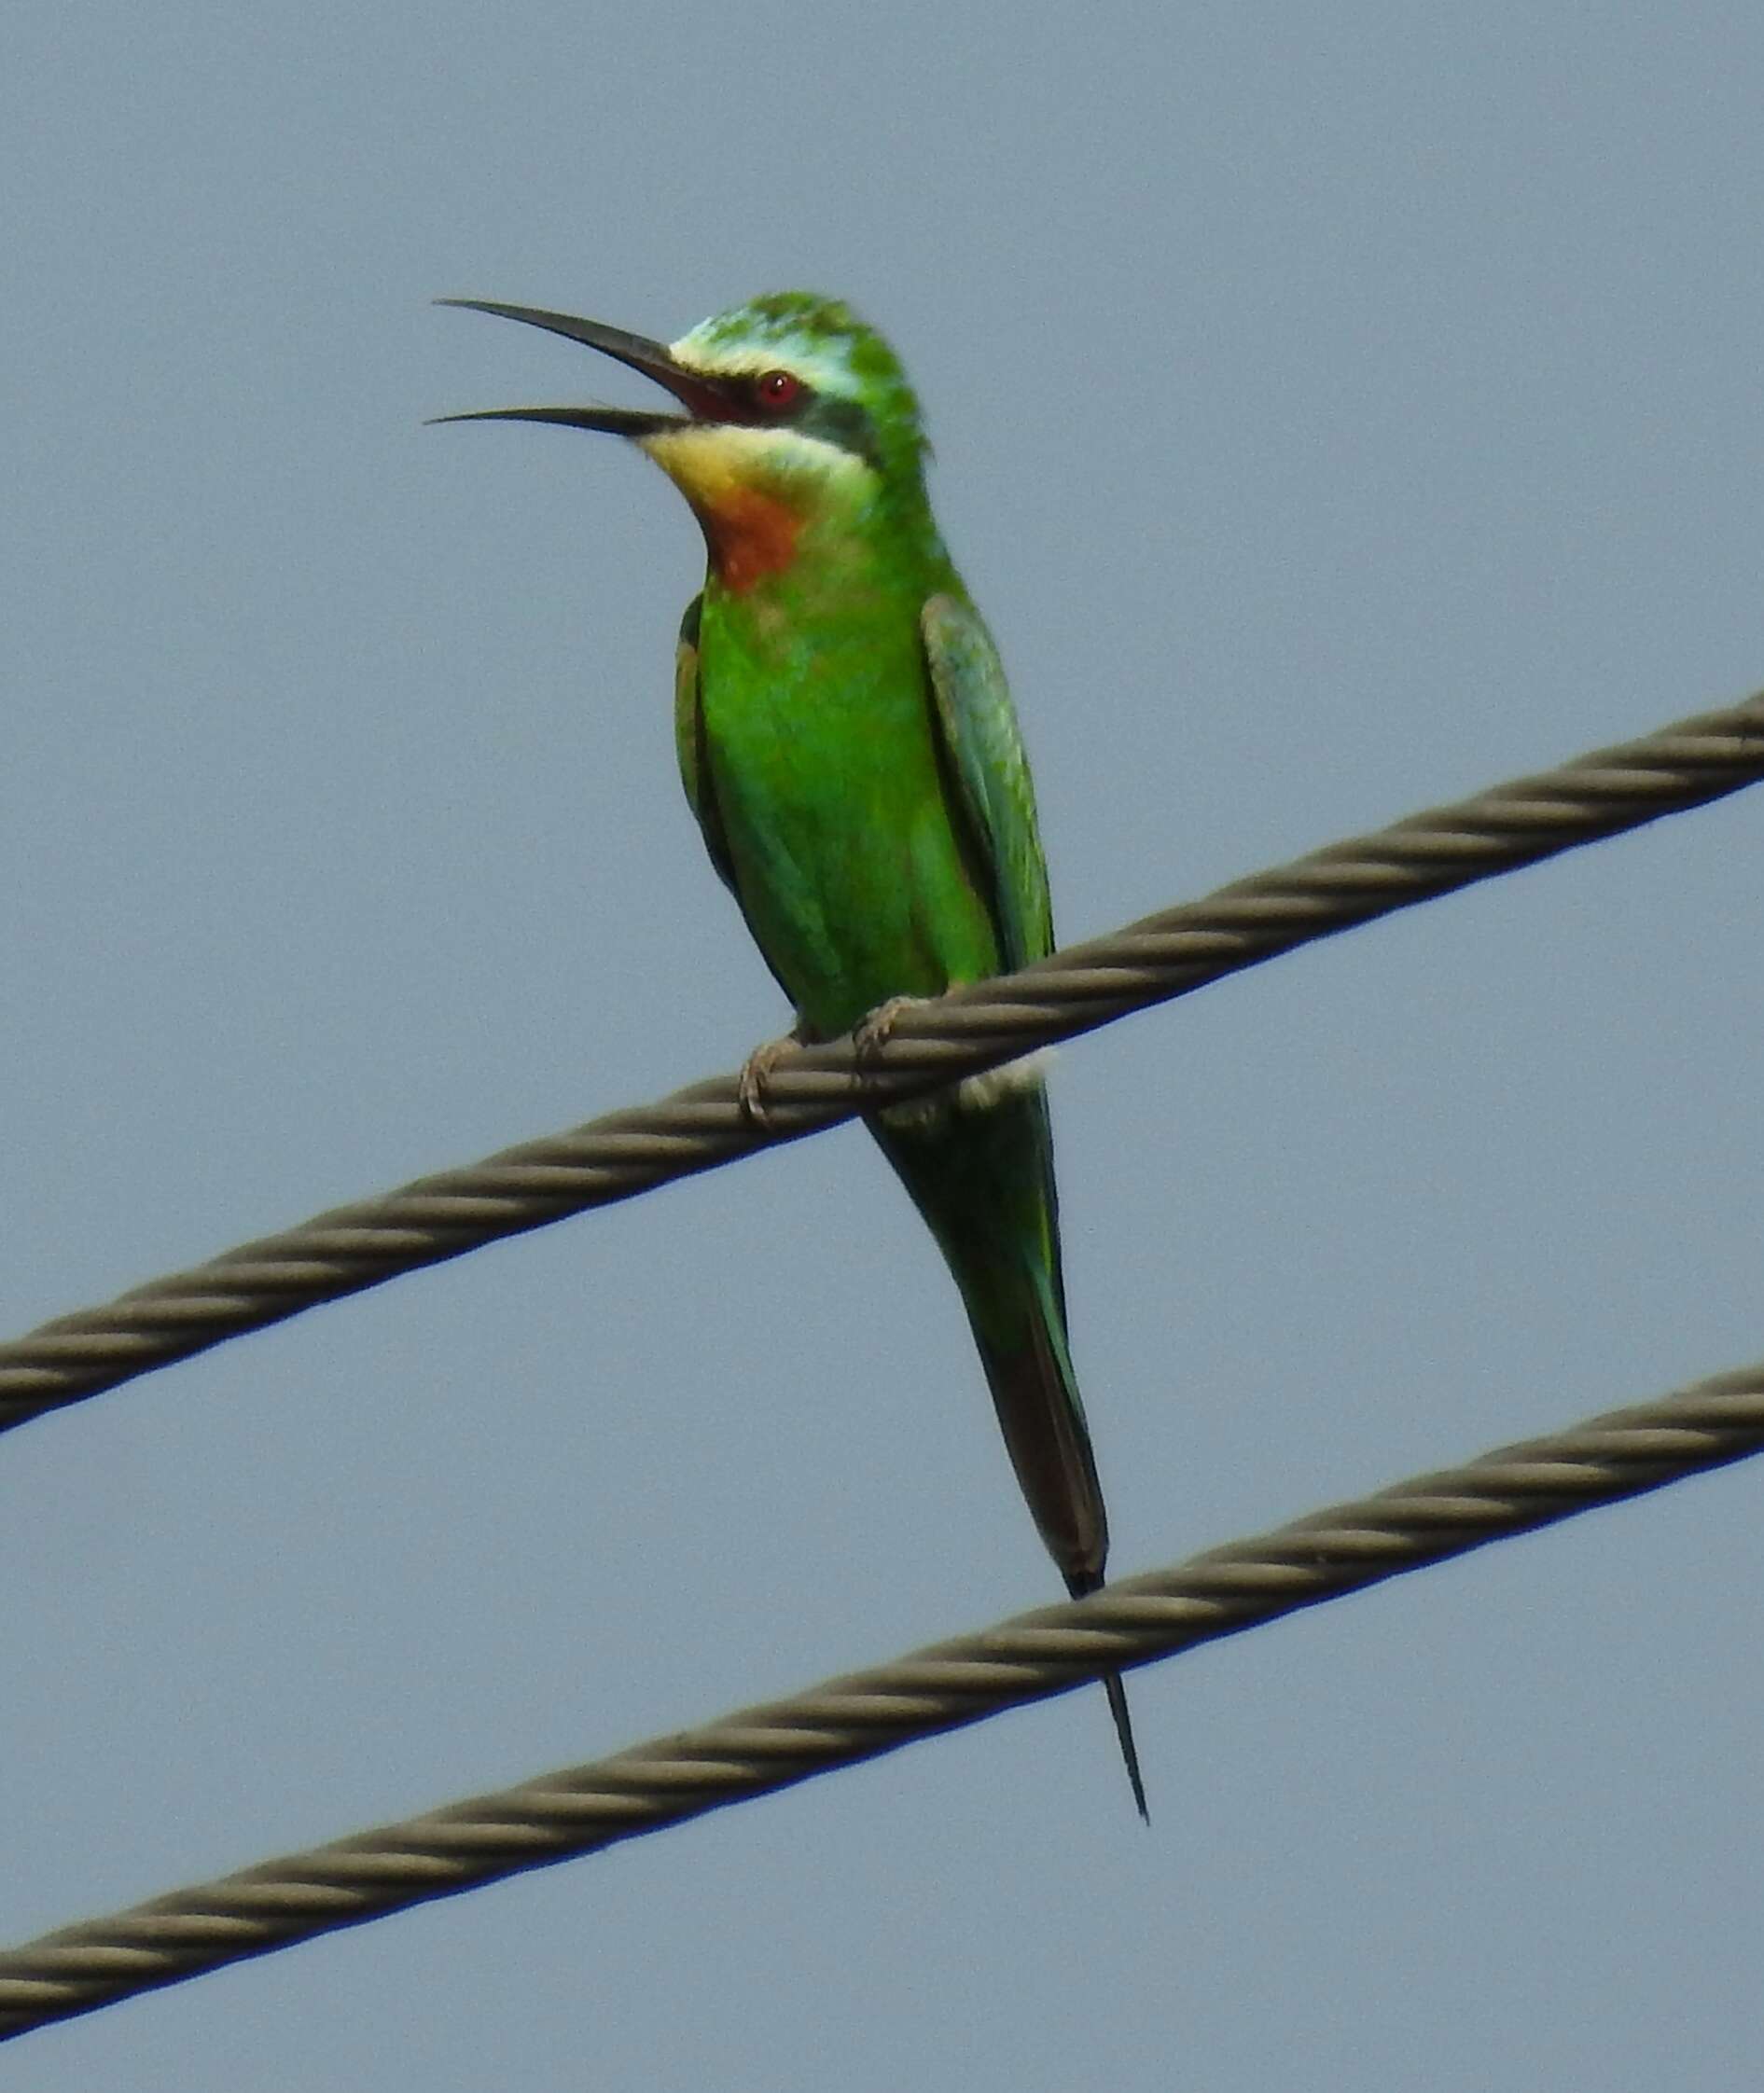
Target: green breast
(819,741)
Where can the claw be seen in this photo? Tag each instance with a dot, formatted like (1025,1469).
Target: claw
(872,1033)
(756,1071)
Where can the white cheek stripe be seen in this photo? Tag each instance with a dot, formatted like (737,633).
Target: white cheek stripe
(742,451)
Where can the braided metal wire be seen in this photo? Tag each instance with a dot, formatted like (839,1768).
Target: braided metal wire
(1163,956)
(583,1808)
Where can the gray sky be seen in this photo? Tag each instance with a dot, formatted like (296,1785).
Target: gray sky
(1337,411)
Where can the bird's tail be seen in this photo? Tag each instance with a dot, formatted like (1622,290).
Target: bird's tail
(983,1180)
(1035,1394)
(1116,1688)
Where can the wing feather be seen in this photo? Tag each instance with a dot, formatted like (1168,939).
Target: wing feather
(689,747)
(978,725)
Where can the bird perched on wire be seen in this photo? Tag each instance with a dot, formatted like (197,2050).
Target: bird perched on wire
(847,742)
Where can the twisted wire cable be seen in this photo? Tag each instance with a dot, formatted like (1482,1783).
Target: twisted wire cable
(583,1808)
(1166,955)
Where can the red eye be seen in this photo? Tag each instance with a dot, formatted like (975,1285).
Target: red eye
(777,390)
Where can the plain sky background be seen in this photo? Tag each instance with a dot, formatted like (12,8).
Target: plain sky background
(1338,409)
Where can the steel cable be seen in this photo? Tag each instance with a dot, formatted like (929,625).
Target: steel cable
(1163,956)
(756,1751)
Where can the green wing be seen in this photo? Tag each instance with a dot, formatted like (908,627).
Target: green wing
(985,756)
(688,746)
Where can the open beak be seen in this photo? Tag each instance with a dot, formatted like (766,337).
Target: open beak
(703,398)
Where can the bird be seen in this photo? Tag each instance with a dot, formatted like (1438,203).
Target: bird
(848,745)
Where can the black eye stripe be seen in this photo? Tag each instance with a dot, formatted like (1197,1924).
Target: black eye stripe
(843,422)
(825,415)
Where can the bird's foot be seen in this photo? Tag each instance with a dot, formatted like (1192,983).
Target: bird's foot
(869,1036)
(755,1072)
(872,1033)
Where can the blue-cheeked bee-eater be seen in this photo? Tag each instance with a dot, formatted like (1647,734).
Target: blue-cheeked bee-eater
(848,744)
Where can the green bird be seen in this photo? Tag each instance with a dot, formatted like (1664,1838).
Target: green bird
(848,745)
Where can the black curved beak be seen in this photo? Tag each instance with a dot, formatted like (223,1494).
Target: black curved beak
(703,398)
